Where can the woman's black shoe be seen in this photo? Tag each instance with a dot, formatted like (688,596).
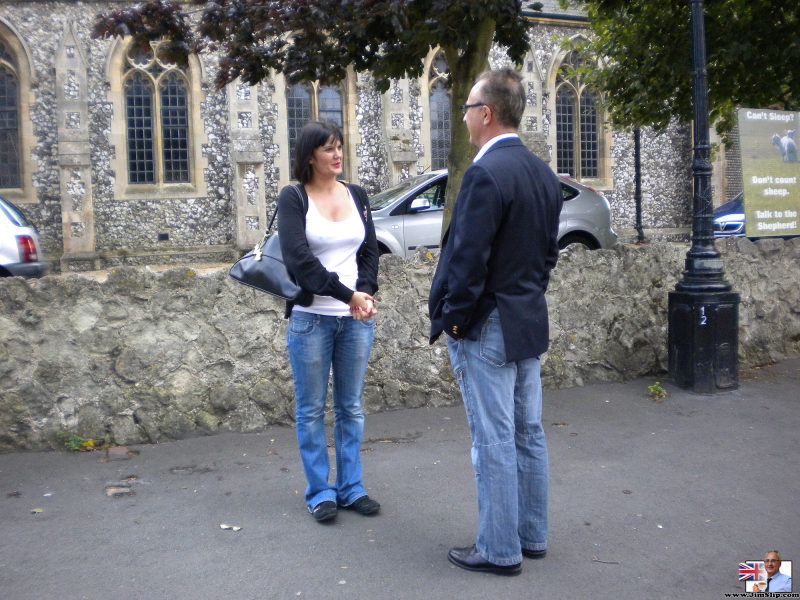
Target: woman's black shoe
(325,511)
(364,506)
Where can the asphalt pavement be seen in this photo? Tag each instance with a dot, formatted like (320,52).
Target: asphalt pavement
(648,500)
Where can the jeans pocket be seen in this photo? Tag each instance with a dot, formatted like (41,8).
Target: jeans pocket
(302,325)
(492,349)
(368,324)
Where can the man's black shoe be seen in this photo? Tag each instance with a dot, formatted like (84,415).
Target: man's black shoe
(324,511)
(364,506)
(469,559)
(533,553)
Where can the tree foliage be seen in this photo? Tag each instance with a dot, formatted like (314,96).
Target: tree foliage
(645,52)
(316,40)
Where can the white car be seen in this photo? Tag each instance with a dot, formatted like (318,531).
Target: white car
(19,245)
(410,215)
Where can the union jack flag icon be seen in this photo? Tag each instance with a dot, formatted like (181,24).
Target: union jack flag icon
(750,570)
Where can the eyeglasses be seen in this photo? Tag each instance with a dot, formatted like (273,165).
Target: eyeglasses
(465,107)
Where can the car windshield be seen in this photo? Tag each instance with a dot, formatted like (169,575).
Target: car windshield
(386,197)
(735,206)
(10,211)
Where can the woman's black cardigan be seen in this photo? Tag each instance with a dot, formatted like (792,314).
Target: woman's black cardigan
(305,267)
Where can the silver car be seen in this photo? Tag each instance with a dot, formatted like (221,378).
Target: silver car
(19,245)
(410,215)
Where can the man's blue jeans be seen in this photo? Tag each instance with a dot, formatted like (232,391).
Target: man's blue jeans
(504,409)
(318,343)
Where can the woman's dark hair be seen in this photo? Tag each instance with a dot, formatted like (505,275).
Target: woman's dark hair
(313,135)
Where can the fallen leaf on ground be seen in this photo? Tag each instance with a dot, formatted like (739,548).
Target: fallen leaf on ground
(36,511)
(116,491)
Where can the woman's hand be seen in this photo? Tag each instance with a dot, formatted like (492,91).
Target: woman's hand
(362,306)
(363,315)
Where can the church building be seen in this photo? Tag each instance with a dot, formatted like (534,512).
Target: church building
(122,158)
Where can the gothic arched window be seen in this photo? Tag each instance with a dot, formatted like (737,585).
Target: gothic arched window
(9,121)
(331,107)
(440,112)
(157,124)
(298,112)
(306,102)
(578,122)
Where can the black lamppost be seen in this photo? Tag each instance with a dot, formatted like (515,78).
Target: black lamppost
(703,309)
(637,183)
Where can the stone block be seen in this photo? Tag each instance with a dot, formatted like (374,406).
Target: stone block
(125,431)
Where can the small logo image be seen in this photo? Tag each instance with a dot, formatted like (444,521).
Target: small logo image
(769,575)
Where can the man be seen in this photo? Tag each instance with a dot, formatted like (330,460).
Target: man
(776,581)
(488,296)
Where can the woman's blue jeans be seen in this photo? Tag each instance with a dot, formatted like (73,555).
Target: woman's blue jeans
(317,344)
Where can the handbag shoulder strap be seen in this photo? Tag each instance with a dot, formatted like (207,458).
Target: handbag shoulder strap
(303,198)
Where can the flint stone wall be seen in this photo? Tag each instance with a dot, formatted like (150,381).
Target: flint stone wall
(146,357)
(128,228)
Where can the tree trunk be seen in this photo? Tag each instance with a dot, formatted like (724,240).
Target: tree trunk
(464,70)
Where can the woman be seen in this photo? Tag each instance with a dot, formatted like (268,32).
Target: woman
(329,246)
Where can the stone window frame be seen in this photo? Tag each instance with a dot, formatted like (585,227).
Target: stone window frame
(436,76)
(426,82)
(603,133)
(347,89)
(24,72)
(117,75)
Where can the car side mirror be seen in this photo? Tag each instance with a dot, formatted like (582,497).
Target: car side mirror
(421,203)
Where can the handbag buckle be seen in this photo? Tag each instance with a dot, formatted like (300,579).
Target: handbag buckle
(257,250)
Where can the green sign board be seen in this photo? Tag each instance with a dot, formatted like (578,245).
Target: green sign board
(771,171)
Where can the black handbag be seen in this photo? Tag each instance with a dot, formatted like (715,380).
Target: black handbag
(264,269)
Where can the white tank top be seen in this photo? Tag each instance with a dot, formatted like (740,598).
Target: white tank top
(335,244)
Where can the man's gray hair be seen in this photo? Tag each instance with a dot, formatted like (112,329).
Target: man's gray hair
(502,91)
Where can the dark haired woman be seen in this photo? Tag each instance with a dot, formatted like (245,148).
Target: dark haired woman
(329,245)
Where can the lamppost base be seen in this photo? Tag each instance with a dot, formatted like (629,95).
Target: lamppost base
(704,341)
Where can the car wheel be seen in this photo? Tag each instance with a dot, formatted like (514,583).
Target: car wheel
(383,249)
(578,238)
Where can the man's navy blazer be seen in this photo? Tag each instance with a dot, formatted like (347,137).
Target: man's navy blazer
(499,250)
